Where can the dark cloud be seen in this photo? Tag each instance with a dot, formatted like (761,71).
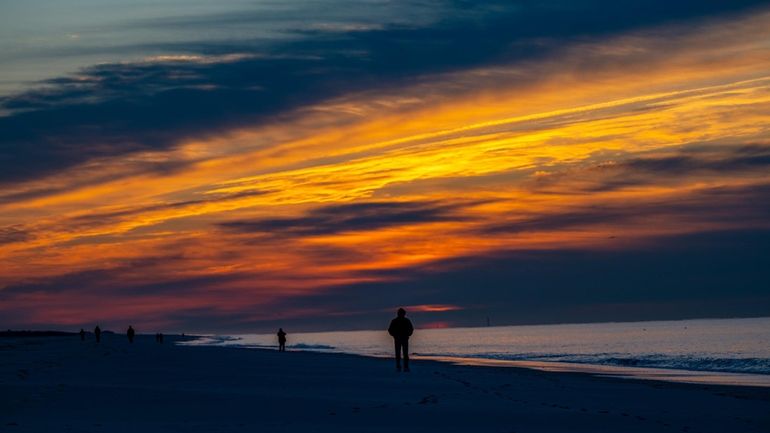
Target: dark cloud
(601,173)
(349,217)
(96,218)
(745,206)
(732,161)
(103,281)
(90,178)
(120,108)
(15,233)
(740,158)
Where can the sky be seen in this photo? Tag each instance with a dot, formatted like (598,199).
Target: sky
(236,166)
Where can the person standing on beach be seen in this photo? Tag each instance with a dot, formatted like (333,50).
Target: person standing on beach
(401,329)
(281,340)
(82,334)
(130,334)
(98,333)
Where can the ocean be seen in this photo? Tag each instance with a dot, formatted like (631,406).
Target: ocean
(703,345)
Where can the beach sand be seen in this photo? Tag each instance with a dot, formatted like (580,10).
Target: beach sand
(60,384)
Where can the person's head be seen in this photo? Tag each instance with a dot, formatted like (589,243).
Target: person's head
(280,329)
(401,312)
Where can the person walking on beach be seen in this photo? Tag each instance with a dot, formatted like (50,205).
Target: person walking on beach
(130,334)
(98,333)
(82,334)
(401,329)
(281,340)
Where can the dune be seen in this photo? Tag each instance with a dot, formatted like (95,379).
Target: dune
(60,384)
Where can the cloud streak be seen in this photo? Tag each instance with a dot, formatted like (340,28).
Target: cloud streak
(349,217)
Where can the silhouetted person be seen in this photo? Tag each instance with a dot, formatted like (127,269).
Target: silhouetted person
(130,334)
(82,334)
(401,329)
(160,338)
(98,333)
(281,340)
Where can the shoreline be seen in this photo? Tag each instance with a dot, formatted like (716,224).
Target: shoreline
(672,375)
(667,375)
(655,374)
(61,384)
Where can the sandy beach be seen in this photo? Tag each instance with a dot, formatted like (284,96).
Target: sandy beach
(62,384)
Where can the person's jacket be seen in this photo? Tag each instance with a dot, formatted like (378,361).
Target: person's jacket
(400,327)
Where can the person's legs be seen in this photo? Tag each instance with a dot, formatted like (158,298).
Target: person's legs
(398,354)
(405,348)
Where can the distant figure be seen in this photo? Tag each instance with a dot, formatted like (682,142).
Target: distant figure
(281,340)
(98,333)
(82,334)
(401,329)
(159,338)
(130,334)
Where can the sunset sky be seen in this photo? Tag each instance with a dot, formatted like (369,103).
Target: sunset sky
(235,166)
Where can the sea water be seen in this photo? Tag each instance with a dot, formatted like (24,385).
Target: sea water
(704,345)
